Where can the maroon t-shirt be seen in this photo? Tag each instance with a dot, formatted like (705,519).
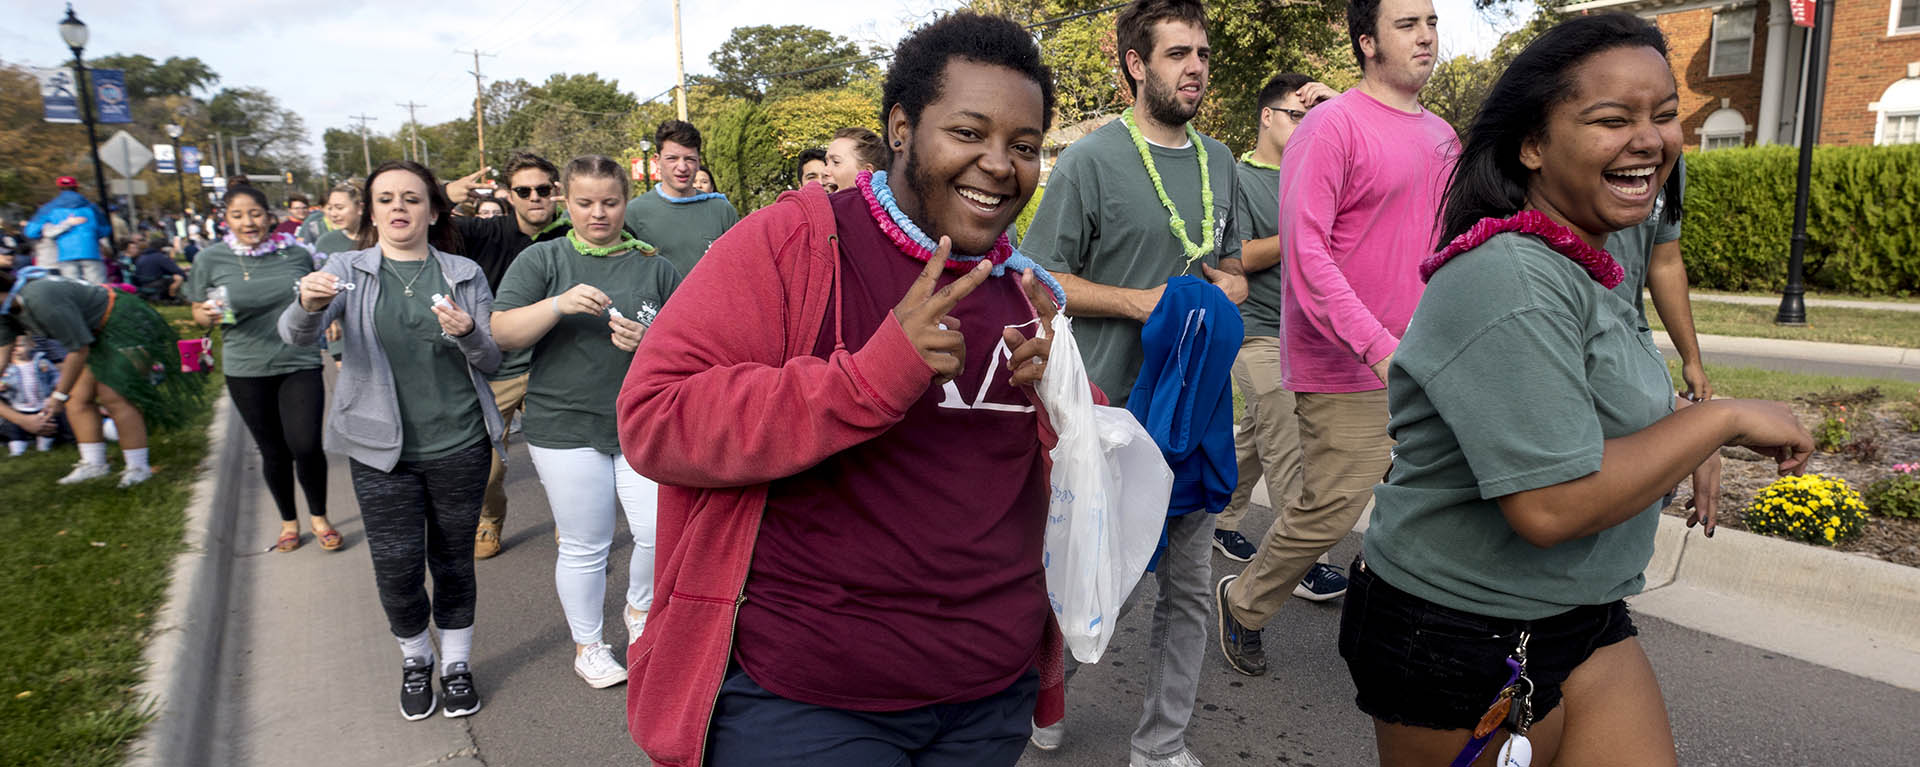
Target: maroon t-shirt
(905,571)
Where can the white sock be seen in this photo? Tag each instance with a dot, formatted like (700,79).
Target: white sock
(45,444)
(17,447)
(456,646)
(93,452)
(136,458)
(417,646)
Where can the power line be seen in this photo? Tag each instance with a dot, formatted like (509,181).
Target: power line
(479,102)
(413,123)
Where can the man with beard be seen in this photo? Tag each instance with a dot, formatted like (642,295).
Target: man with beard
(1360,189)
(679,220)
(1137,202)
(792,400)
(493,243)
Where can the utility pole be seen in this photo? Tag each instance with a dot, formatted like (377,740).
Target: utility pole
(679,67)
(413,126)
(479,104)
(219,152)
(366,154)
(1793,300)
(236,155)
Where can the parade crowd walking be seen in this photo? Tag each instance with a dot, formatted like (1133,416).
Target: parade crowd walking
(821,426)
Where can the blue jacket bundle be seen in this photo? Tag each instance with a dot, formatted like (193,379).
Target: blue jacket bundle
(1184,395)
(82,242)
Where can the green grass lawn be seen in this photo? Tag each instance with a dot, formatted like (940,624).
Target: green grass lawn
(83,569)
(1846,326)
(1754,383)
(1775,295)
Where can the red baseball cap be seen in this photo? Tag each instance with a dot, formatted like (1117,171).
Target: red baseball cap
(66,182)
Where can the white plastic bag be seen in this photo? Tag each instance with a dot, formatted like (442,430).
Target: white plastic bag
(1108,504)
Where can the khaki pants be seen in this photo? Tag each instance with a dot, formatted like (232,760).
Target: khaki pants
(1345,450)
(1268,441)
(511,397)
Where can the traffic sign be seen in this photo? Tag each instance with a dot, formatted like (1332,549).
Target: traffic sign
(163,158)
(125,154)
(125,186)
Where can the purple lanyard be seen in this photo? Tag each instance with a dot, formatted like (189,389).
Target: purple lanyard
(1479,744)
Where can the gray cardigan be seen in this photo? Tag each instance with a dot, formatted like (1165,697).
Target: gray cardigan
(365,422)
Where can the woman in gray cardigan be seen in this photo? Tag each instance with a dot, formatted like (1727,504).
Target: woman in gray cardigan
(420,452)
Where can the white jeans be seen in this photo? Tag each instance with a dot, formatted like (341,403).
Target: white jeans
(582,485)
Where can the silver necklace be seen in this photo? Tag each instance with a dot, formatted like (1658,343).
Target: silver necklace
(406,282)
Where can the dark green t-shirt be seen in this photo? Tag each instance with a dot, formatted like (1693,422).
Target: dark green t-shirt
(65,310)
(1515,370)
(439,409)
(335,242)
(577,370)
(1101,220)
(1257,212)
(259,287)
(681,231)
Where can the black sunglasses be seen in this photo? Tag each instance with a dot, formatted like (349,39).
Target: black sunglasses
(1296,114)
(524,192)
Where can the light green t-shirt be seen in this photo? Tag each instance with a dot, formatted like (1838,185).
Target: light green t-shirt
(60,308)
(681,231)
(1633,248)
(439,409)
(1515,370)
(1257,210)
(335,242)
(1101,220)
(259,288)
(577,370)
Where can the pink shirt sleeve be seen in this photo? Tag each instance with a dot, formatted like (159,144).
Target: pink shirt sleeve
(1312,177)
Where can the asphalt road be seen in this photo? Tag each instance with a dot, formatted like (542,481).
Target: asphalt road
(310,675)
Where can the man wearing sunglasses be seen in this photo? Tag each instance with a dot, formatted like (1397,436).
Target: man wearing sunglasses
(533,197)
(679,220)
(1268,440)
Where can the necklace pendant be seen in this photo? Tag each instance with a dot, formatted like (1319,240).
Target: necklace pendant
(245,277)
(409,291)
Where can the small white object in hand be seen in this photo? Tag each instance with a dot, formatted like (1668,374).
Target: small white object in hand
(614,312)
(441,301)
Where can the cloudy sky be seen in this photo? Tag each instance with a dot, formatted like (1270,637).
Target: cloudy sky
(327,59)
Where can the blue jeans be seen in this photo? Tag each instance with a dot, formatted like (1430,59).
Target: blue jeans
(752,726)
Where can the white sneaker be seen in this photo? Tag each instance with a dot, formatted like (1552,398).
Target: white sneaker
(1181,758)
(84,471)
(634,625)
(1048,738)
(598,667)
(132,476)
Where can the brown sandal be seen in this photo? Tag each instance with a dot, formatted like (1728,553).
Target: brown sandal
(329,540)
(289,540)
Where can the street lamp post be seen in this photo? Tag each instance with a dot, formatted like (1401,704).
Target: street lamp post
(179,165)
(74,32)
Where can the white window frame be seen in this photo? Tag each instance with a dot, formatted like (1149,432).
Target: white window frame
(1880,137)
(1707,141)
(1713,42)
(1893,20)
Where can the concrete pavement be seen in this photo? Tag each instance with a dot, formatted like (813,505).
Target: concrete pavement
(1815,357)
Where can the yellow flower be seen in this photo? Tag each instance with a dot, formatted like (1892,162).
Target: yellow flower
(1829,535)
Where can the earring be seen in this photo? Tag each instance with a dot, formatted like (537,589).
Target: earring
(896,145)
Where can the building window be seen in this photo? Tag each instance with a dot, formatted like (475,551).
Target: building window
(1906,17)
(1726,128)
(1901,129)
(1732,42)
(1899,110)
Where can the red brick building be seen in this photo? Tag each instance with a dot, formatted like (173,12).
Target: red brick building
(1740,64)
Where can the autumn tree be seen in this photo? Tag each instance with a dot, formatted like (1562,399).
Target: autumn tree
(807,59)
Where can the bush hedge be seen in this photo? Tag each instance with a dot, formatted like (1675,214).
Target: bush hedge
(1863,219)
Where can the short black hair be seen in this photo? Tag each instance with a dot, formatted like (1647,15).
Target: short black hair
(299,198)
(918,71)
(1489,180)
(1133,28)
(1278,88)
(677,131)
(800,165)
(523,160)
(1363,18)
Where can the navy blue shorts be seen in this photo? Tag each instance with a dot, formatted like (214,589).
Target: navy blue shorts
(753,727)
(1418,663)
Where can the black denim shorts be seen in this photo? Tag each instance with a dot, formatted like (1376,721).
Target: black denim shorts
(1423,664)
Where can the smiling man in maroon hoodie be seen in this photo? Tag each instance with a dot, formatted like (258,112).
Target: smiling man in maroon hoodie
(853,474)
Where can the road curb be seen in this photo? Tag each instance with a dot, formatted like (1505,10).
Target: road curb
(183,649)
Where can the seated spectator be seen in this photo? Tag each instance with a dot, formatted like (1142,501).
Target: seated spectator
(156,274)
(27,380)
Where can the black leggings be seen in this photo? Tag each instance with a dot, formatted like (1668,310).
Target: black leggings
(283,414)
(419,517)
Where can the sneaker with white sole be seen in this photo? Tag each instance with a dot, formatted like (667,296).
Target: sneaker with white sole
(416,688)
(461,698)
(84,471)
(1322,582)
(132,476)
(597,666)
(1049,737)
(1233,545)
(634,625)
(1181,758)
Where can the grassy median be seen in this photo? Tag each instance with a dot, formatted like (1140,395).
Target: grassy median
(83,570)
(1873,327)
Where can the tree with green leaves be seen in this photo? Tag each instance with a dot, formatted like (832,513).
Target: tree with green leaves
(566,116)
(148,79)
(744,153)
(808,120)
(745,63)
(1461,83)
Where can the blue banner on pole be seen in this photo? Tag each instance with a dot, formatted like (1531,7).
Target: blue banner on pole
(190,159)
(110,96)
(58,95)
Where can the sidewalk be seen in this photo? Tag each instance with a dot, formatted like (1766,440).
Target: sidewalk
(1812,302)
(1857,360)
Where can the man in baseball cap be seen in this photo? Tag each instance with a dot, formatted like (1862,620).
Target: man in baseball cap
(76,226)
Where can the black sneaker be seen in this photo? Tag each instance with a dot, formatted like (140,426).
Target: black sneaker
(1240,645)
(1233,544)
(1322,582)
(462,698)
(416,688)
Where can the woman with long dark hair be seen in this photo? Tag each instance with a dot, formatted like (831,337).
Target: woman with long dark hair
(1536,431)
(414,414)
(241,285)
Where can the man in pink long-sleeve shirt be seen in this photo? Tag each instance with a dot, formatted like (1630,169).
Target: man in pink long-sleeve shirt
(1360,189)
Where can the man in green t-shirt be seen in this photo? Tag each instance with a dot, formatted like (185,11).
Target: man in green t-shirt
(681,222)
(1105,229)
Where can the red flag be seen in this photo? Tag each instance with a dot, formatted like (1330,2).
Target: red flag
(1803,12)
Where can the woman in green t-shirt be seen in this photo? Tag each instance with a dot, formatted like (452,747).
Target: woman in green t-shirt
(342,235)
(1535,428)
(581,303)
(241,284)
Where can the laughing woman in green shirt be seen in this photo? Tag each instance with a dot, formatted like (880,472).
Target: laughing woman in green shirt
(581,303)
(1536,431)
(275,385)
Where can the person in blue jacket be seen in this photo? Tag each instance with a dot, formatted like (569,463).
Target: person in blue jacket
(77,226)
